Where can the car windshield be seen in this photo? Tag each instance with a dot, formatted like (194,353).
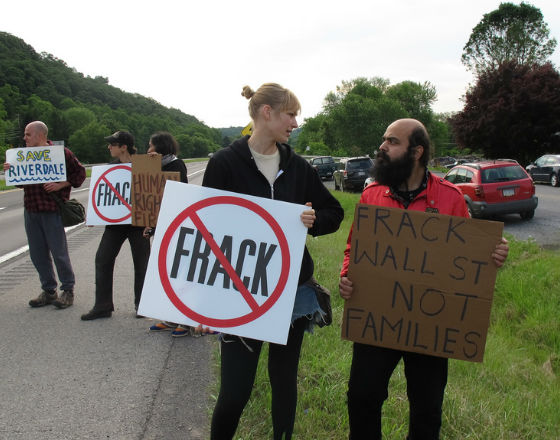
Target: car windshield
(503,174)
(358,165)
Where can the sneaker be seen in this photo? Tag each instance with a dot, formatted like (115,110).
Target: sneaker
(66,299)
(44,298)
(94,314)
(181,331)
(160,327)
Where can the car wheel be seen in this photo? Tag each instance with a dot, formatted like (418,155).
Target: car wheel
(527,215)
(471,214)
(554,179)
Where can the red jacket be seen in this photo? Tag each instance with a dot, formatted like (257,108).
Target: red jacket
(440,196)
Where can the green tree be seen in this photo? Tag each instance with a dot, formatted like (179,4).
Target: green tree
(510,33)
(77,117)
(88,143)
(355,117)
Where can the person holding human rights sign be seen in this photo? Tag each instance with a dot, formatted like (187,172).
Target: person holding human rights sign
(164,144)
(121,147)
(402,180)
(262,164)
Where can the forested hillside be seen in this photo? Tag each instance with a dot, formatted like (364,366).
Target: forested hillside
(81,110)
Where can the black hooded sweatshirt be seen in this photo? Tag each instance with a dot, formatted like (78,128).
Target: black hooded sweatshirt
(234,169)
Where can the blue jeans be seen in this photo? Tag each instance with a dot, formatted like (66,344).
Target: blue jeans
(46,237)
(372,367)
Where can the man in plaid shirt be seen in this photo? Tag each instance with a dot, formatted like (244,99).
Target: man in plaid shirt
(43,224)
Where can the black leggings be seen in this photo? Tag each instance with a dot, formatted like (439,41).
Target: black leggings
(239,366)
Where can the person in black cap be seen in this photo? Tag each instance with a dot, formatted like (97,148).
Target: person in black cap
(121,146)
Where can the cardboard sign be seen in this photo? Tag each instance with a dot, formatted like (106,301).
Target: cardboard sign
(148,182)
(109,195)
(33,165)
(227,261)
(423,282)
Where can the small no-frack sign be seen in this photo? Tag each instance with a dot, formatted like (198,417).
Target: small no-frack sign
(109,200)
(225,260)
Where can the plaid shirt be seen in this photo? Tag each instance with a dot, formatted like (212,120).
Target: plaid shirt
(36,199)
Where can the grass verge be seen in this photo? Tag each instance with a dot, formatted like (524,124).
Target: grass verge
(513,394)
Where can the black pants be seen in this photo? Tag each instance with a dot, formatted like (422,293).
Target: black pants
(372,367)
(238,369)
(109,247)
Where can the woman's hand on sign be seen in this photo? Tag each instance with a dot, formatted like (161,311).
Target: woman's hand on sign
(501,252)
(308,217)
(345,288)
(6,166)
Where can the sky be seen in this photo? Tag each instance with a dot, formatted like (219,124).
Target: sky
(197,55)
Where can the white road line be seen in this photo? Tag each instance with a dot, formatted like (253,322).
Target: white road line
(21,250)
(195,173)
(2,207)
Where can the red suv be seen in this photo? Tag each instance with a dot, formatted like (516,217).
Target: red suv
(495,187)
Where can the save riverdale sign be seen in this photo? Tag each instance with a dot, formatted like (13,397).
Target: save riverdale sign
(221,259)
(423,282)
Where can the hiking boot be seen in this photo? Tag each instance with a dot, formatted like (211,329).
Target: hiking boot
(66,299)
(44,298)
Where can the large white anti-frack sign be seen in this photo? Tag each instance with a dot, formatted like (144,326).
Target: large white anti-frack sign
(33,165)
(109,195)
(227,261)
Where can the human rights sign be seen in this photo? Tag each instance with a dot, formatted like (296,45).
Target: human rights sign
(227,261)
(423,282)
(109,201)
(148,182)
(33,165)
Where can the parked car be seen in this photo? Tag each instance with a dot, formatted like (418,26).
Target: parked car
(368,181)
(324,165)
(455,163)
(495,187)
(546,169)
(352,173)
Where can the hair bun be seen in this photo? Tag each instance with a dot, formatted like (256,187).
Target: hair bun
(247,92)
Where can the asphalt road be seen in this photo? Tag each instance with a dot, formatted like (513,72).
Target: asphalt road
(63,378)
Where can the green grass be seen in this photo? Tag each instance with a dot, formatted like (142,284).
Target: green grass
(3,186)
(513,394)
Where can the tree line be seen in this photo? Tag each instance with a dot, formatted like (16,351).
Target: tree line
(81,110)
(512,110)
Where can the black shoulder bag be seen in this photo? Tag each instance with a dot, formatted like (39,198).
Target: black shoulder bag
(71,211)
(324,299)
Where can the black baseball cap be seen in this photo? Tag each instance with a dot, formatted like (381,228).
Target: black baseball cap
(121,138)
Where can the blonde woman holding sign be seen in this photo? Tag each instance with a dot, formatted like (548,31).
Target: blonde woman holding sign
(263,165)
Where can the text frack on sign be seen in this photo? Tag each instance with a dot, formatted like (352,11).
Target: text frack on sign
(423,282)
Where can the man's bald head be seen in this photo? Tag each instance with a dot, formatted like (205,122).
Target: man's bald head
(417,136)
(36,134)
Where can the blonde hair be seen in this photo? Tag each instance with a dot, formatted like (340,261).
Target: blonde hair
(278,97)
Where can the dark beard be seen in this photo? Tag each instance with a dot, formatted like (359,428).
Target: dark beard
(393,173)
